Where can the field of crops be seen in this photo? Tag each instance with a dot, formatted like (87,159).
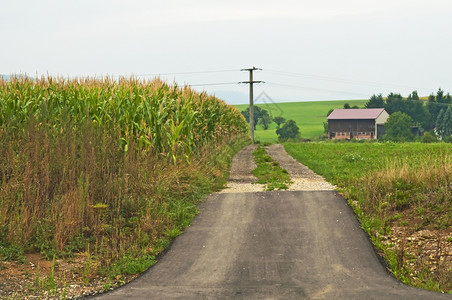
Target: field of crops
(309,116)
(402,194)
(164,119)
(110,170)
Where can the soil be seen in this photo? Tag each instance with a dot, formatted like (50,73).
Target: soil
(33,280)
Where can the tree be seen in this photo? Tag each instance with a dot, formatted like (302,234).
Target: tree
(448,99)
(265,120)
(376,101)
(258,113)
(346,106)
(434,105)
(447,123)
(413,96)
(439,123)
(325,127)
(440,96)
(398,128)
(394,103)
(289,130)
(279,120)
(417,111)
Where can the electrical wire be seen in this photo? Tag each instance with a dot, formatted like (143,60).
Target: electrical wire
(288,74)
(187,73)
(208,84)
(315,89)
(339,80)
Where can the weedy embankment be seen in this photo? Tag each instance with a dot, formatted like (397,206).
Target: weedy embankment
(105,173)
(402,194)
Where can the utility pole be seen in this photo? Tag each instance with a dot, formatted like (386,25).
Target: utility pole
(251,81)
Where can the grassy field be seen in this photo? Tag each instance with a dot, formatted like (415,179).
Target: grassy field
(402,194)
(308,115)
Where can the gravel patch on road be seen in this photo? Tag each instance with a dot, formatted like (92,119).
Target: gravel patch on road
(242,181)
(304,179)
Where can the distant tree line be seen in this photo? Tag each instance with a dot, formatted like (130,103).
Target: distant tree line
(422,113)
(434,114)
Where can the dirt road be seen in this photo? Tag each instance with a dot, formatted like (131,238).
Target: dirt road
(303,244)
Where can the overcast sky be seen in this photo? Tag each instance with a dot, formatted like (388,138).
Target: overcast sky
(308,50)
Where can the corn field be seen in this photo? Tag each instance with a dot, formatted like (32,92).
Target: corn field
(114,164)
(167,120)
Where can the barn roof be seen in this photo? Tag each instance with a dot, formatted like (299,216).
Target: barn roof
(358,113)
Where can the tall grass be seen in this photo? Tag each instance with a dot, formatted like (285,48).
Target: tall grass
(110,166)
(404,182)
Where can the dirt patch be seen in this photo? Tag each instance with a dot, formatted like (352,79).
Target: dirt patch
(34,279)
(427,253)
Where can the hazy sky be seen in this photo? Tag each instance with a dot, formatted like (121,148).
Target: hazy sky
(308,50)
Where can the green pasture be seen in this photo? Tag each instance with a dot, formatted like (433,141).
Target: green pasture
(308,115)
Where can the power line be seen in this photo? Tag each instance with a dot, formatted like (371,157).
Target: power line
(187,73)
(315,89)
(207,84)
(340,80)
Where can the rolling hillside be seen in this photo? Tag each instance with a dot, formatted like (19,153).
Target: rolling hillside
(308,115)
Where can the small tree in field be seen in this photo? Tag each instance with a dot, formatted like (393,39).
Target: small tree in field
(265,121)
(289,130)
(279,120)
(398,128)
(258,114)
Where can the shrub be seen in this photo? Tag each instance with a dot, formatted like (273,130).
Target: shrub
(428,137)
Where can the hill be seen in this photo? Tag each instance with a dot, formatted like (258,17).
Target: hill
(308,115)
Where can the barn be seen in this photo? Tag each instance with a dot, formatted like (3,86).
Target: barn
(366,123)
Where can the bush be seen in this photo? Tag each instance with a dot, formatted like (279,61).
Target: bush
(428,137)
(289,130)
(398,128)
(448,139)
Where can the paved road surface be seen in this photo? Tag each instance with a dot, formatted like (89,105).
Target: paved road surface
(271,245)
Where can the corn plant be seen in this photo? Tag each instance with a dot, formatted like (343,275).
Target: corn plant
(164,119)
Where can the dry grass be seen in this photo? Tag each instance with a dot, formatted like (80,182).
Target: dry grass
(402,183)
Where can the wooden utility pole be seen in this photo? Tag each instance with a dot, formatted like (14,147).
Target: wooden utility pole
(251,81)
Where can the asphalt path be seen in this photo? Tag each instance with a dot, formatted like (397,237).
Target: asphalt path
(271,245)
